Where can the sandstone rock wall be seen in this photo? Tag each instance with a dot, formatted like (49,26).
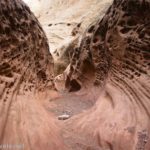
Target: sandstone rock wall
(109,66)
(26,68)
(119,49)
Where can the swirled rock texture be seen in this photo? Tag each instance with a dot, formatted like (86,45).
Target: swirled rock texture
(114,56)
(108,71)
(26,69)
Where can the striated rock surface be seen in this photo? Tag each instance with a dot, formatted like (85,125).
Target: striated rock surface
(64,21)
(113,56)
(104,90)
(61,19)
(26,69)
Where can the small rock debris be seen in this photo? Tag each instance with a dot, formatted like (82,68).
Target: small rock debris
(63,117)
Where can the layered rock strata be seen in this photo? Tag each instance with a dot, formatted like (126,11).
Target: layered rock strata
(113,56)
(26,69)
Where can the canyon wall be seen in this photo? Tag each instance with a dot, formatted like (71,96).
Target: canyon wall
(113,56)
(105,57)
(26,69)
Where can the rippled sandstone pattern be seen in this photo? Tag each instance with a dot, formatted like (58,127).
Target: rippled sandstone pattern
(117,50)
(26,69)
(109,66)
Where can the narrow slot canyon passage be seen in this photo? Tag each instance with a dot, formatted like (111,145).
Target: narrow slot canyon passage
(75,74)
